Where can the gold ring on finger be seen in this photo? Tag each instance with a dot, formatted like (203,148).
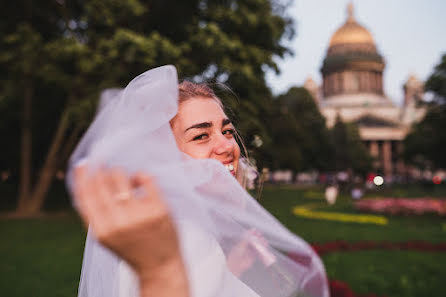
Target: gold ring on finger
(122,196)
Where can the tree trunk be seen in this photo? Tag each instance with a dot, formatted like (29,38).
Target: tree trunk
(70,144)
(49,167)
(26,150)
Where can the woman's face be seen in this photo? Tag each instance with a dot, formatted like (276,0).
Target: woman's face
(202,130)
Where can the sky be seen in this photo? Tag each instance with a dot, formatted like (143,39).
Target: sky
(409,34)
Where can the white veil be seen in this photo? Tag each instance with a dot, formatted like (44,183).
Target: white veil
(213,214)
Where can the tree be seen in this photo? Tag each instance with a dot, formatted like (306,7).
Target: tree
(436,82)
(236,42)
(63,53)
(300,139)
(426,142)
(22,57)
(349,151)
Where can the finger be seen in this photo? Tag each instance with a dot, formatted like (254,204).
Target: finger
(98,204)
(110,180)
(139,179)
(258,236)
(119,184)
(148,184)
(151,196)
(244,245)
(103,190)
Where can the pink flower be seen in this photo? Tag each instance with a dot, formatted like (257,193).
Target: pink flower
(405,206)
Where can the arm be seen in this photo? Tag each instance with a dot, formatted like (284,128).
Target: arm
(139,230)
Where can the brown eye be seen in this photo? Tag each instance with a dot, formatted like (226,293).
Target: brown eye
(229,132)
(201,137)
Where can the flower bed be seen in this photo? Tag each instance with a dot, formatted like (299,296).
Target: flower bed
(307,212)
(341,289)
(337,246)
(402,206)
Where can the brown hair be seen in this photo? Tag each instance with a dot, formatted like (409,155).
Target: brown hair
(188,90)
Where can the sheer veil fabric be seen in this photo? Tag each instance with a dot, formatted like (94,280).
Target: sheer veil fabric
(231,246)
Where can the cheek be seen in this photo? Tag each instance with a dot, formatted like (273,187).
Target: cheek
(236,150)
(197,151)
(236,155)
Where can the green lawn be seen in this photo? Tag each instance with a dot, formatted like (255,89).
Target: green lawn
(280,201)
(42,257)
(389,273)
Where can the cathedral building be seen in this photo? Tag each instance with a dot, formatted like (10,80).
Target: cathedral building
(352,89)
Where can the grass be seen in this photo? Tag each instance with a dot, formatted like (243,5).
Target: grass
(389,273)
(42,257)
(280,201)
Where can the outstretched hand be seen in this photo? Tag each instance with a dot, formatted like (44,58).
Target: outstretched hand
(129,216)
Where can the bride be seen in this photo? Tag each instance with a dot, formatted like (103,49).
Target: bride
(155,178)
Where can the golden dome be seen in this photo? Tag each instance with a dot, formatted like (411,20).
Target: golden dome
(351,32)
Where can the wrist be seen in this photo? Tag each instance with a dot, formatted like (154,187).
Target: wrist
(166,280)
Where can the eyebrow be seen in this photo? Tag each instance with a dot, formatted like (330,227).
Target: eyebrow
(224,122)
(200,125)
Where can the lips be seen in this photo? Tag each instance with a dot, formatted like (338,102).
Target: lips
(230,167)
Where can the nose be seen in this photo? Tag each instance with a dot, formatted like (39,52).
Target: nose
(223,145)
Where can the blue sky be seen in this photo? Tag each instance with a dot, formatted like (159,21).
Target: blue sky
(410,34)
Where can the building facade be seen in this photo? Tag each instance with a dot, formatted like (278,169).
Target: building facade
(352,89)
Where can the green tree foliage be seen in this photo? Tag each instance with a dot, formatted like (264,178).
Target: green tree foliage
(349,151)
(300,139)
(436,83)
(426,143)
(56,57)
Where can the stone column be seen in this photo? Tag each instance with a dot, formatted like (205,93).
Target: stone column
(387,158)
(329,84)
(341,82)
(363,82)
(335,83)
(344,82)
(375,82)
(374,152)
(381,89)
(367,81)
(324,86)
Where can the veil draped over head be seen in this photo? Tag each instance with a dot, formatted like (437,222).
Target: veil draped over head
(230,245)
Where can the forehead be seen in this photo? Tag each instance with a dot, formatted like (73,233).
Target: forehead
(199,110)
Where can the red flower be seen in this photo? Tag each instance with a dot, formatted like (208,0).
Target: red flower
(338,246)
(340,289)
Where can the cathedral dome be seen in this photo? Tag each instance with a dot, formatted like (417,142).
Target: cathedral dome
(351,33)
(351,37)
(352,64)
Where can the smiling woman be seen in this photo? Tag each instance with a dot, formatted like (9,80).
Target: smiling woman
(190,228)
(201,128)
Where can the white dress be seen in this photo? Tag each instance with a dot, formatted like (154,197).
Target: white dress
(208,273)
